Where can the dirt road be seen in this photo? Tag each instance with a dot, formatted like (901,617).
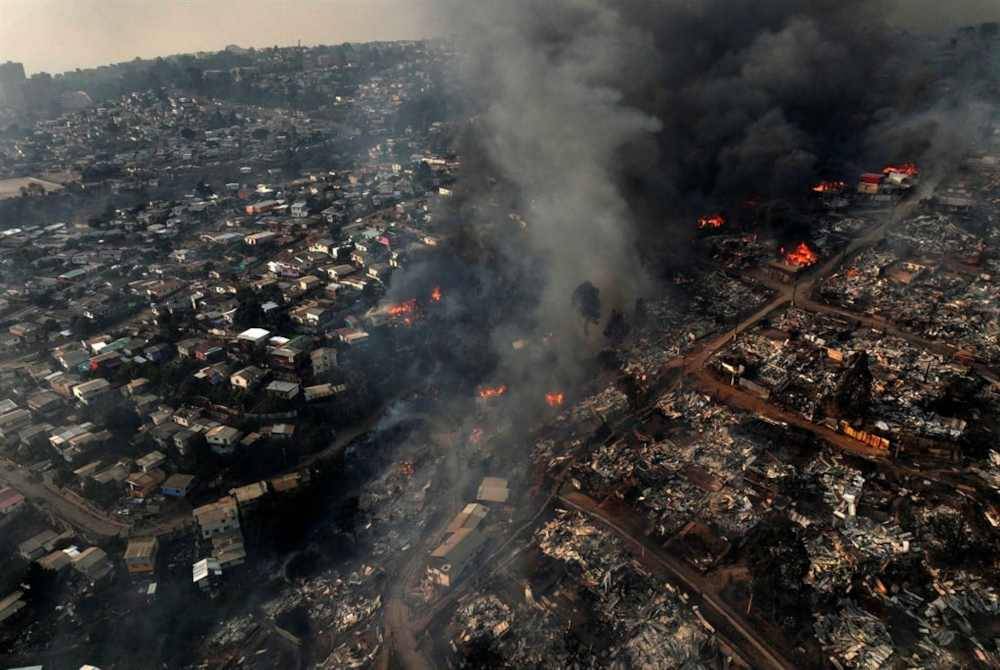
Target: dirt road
(81,518)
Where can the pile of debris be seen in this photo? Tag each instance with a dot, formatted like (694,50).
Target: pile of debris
(333,602)
(609,403)
(657,627)
(879,541)
(934,234)
(960,599)
(989,471)
(234,631)
(595,554)
(359,652)
(672,480)
(842,485)
(664,635)
(609,463)
(553,454)
(831,567)
(733,511)
(739,252)
(486,616)
(352,611)
(723,298)
(525,636)
(854,638)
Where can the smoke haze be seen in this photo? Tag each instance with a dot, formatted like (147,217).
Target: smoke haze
(97,32)
(619,122)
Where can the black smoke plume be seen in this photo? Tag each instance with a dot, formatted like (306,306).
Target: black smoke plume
(618,122)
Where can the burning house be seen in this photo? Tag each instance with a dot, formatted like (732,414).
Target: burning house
(711,222)
(399,314)
(830,187)
(902,176)
(795,259)
(870,183)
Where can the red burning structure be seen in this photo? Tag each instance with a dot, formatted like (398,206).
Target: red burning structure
(907,169)
(436,294)
(555,399)
(403,312)
(801,255)
(405,308)
(490,392)
(711,222)
(830,187)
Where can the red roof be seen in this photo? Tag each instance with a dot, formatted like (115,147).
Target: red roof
(871,178)
(9,498)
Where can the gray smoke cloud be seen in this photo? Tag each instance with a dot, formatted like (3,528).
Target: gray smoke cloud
(554,124)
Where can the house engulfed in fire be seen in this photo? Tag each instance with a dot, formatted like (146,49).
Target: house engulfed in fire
(793,261)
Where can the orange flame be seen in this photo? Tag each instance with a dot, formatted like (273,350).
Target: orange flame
(488,392)
(405,308)
(555,399)
(829,187)
(713,221)
(801,256)
(436,294)
(909,169)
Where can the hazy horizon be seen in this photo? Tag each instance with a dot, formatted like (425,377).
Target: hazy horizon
(60,35)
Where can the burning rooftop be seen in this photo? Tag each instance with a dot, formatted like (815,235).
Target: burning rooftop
(908,169)
(489,392)
(801,255)
(405,308)
(830,187)
(711,221)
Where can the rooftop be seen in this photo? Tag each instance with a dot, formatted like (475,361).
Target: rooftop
(141,548)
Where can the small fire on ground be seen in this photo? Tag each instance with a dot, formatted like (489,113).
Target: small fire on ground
(488,392)
(712,221)
(555,399)
(829,187)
